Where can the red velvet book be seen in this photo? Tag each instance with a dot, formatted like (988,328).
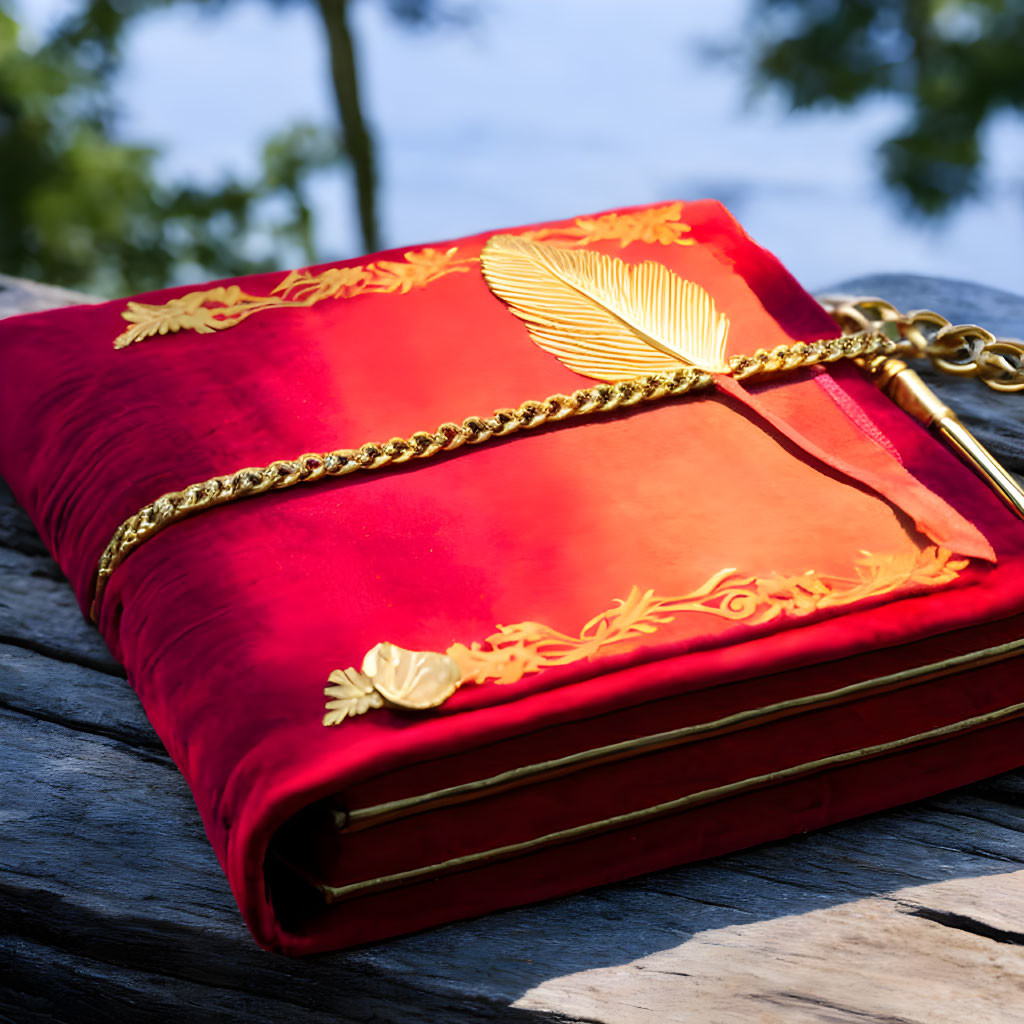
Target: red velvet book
(478,573)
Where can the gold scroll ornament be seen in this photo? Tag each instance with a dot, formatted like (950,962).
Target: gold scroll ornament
(216,309)
(417,680)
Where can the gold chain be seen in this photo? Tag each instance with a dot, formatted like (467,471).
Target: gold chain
(963,350)
(602,398)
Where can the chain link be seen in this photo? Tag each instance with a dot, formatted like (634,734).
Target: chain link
(219,490)
(963,350)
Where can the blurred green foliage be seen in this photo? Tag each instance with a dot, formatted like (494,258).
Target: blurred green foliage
(81,209)
(955,63)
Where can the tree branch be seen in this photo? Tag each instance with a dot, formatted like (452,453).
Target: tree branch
(356,137)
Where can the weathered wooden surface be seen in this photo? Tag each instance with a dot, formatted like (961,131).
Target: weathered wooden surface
(112,905)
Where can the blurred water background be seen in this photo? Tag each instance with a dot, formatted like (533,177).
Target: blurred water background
(491,114)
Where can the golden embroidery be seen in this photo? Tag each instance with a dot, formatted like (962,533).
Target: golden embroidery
(528,647)
(602,317)
(657,225)
(216,309)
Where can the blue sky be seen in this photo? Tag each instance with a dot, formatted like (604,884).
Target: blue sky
(551,109)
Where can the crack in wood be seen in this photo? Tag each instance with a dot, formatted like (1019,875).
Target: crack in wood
(150,749)
(689,897)
(774,879)
(62,656)
(850,1013)
(964,923)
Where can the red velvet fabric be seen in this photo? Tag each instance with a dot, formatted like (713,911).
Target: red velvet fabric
(230,622)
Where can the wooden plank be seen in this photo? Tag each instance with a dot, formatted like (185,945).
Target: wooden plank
(38,611)
(939,881)
(104,867)
(869,960)
(18,295)
(112,905)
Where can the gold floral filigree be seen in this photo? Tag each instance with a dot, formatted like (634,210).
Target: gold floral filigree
(528,647)
(656,225)
(216,309)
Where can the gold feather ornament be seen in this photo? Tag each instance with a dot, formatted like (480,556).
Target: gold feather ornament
(603,317)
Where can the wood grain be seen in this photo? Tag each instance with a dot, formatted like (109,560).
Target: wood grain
(113,907)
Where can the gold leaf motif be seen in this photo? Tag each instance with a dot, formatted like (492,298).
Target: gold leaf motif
(218,308)
(602,317)
(416,271)
(657,225)
(351,694)
(302,288)
(196,311)
(528,647)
